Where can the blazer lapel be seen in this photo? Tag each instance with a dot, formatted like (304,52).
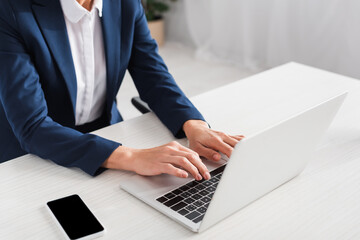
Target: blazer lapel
(111,26)
(51,21)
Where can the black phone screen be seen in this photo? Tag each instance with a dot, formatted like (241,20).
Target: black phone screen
(75,217)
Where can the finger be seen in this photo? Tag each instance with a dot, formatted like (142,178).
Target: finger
(183,162)
(191,161)
(185,149)
(229,140)
(177,146)
(218,144)
(197,162)
(194,157)
(173,148)
(238,137)
(170,169)
(208,153)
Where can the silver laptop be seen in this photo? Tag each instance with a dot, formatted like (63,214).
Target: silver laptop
(259,164)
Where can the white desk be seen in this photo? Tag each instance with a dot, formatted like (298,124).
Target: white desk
(322,203)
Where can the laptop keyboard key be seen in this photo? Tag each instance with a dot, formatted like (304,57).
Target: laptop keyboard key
(176,192)
(213,180)
(169,195)
(185,194)
(162,199)
(173,201)
(204,193)
(184,188)
(207,183)
(190,208)
(196,196)
(192,184)
(199,181)
(206,199)
(193,190)
(192,215)
(200,187)
(198,203)
(189,200)
(183,212)
(201,210)
(211,189)
(198,219)
(178,206)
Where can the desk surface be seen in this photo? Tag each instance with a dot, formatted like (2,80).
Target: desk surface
(322,203)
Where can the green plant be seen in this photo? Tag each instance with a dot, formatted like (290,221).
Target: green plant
(155,8)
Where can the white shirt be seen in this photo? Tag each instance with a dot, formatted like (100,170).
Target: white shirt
(87,49)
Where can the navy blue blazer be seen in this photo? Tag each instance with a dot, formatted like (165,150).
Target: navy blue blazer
(38,81)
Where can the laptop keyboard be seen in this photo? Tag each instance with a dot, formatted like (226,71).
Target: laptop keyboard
(192,199)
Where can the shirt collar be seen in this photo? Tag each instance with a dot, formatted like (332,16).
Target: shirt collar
(74,11)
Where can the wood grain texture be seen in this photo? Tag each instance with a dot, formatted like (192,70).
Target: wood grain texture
(321,203)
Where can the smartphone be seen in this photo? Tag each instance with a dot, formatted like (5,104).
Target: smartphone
(75,218)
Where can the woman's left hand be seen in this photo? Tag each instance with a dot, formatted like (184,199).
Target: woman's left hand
(207,142)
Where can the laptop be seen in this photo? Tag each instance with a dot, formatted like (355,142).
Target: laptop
(259,164)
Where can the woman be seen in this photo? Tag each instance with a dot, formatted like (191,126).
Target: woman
(62,63)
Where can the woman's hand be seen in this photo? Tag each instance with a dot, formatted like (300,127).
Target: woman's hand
(171,158)
(207,142)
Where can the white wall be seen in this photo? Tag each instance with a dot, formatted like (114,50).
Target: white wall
(176,24)
(266,33)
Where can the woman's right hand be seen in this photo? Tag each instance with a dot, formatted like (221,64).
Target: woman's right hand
(171,158)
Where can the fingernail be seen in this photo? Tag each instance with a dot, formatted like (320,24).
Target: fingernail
(207,176)
(216,157)
(184,175)
(198,177)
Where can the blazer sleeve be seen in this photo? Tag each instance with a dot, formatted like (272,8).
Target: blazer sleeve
(155,84)
(26,110)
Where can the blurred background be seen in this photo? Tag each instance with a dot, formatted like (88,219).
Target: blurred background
(210,43)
